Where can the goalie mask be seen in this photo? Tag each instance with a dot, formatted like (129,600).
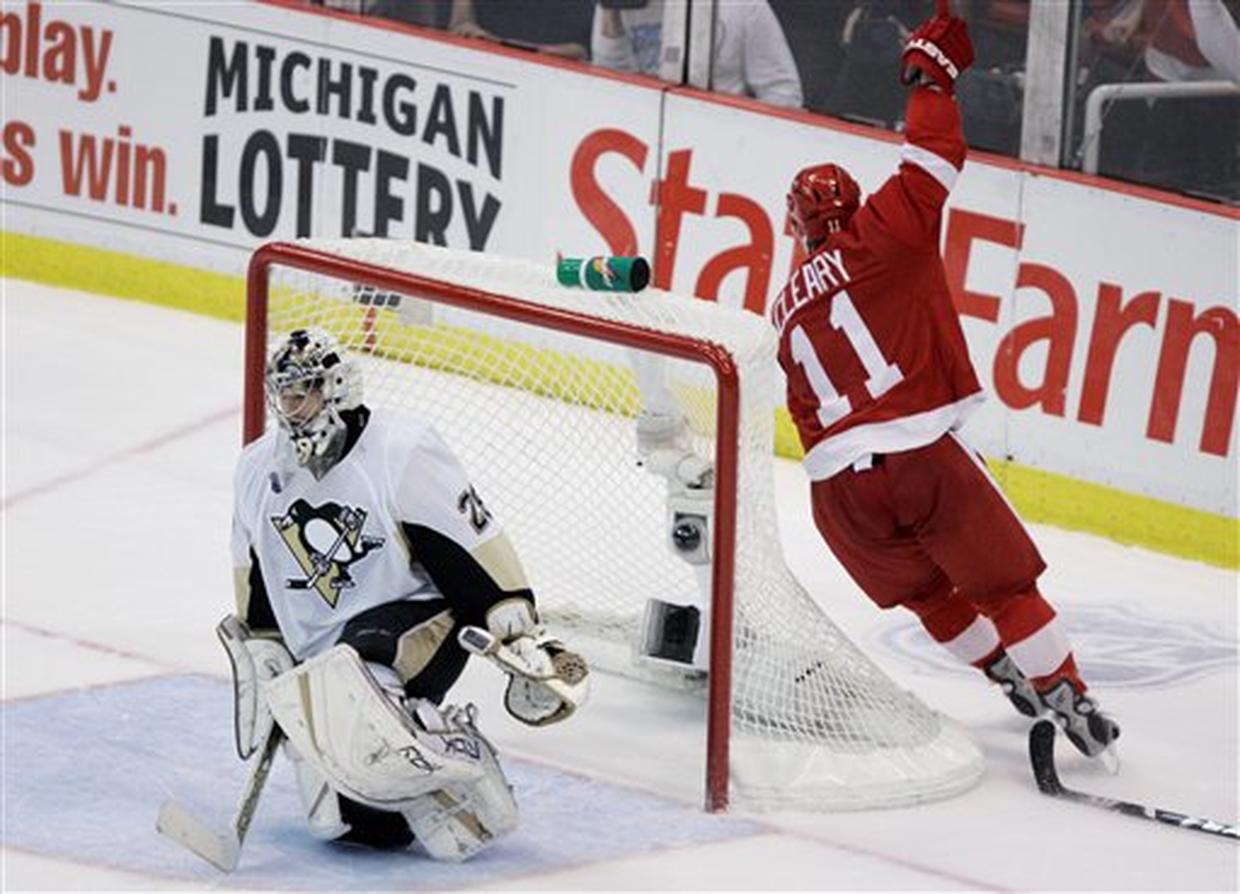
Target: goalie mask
(309,380)
(820,202)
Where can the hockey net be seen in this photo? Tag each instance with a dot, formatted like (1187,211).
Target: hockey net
(534,387)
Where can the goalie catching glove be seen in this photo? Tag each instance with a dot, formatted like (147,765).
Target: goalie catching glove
(938,51)
(547,683)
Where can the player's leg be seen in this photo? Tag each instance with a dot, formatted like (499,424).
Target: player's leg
(331,816)
(954,622)
(857,515)
(417,640)
(852,511)
(971,531)
(408,656)
(408,649)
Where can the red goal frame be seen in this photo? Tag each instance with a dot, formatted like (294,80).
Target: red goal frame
(302,257)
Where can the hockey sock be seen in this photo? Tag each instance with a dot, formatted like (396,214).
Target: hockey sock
(954,623)
(1034,638)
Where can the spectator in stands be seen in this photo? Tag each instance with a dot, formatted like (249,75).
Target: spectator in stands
(1178,40)
(1000,30)
(751,55)
(428,13)
(992,92)
(1193,40)
(1183,143)
(871,40)
(556,27)
(813,32)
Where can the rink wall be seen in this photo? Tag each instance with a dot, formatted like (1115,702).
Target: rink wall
(147,150)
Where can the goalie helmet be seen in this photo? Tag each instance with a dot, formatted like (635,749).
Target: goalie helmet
(309,380)
(820,202)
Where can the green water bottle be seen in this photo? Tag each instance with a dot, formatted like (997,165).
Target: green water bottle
(604,274)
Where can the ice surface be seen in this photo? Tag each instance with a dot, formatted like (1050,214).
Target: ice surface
(121,426)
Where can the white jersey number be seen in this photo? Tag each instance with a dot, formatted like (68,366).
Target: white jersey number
(881,376)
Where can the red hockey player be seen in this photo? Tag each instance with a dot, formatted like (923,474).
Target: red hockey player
(879,379)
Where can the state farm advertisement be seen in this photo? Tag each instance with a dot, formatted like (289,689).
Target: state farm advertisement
(1103,323)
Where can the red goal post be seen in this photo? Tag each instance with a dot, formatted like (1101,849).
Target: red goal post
(540,381)
(301,257)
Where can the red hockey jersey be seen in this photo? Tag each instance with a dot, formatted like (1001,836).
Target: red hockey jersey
(870,342)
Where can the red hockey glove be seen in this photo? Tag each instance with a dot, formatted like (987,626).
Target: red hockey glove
(939,49)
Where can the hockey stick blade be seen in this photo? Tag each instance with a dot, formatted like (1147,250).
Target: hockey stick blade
(222,850)
(1042,757)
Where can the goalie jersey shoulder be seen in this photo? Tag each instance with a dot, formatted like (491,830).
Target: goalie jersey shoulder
(418,477)
(431,487)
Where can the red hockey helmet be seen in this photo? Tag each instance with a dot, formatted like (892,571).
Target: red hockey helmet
(820,202)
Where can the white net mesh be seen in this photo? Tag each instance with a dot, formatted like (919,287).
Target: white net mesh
(544,423)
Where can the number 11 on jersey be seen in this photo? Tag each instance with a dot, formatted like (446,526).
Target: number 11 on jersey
(881,376)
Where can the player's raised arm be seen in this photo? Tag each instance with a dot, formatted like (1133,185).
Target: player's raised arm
(938,51)
(909,206)
(879,381)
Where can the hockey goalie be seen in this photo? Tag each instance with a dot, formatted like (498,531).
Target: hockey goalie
(368,570)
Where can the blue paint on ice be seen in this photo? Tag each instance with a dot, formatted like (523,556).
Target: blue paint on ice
(86,772)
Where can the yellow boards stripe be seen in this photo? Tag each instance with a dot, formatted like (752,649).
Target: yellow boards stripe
(1040,496)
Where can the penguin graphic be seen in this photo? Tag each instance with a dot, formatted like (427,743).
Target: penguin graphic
(325,540)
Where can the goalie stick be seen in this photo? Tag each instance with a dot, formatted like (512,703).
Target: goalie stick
(1042,756)
(221,849)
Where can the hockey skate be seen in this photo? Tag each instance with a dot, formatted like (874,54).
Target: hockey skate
(1015,685)
(1090,730)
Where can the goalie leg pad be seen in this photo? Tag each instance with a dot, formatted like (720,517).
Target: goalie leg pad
(456,822)
(341,721)
(318,797)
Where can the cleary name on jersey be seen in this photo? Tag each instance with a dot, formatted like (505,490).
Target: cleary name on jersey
(330,549)
(875,358)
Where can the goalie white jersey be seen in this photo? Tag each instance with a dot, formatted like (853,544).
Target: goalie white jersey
(330,549)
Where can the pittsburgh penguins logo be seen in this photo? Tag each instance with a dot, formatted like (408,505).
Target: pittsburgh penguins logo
(325,540)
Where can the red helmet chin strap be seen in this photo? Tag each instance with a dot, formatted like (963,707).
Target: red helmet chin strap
(821,201)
